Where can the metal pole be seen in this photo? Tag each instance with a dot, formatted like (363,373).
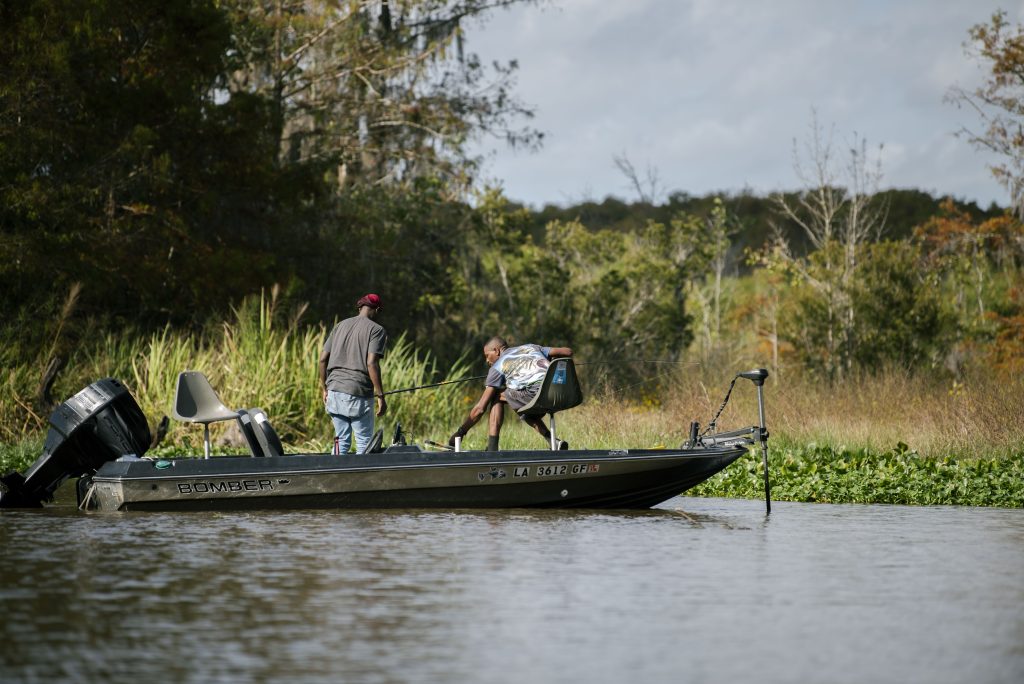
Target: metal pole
(758,376)
(764,449)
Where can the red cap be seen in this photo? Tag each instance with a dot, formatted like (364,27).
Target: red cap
(370,300)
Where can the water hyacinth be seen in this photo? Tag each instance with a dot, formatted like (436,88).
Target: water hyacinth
(900,476)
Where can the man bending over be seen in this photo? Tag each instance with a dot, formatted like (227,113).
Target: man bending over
(515,377)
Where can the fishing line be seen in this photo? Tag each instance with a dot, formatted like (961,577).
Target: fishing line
(643,382)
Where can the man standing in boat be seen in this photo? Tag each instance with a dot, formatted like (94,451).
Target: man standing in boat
(515,377)
(350,375)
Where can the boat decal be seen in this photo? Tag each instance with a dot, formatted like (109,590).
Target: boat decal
(214,487)
(521,471)
(493,474)
(619,452)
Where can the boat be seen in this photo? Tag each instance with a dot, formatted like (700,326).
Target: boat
(100,436)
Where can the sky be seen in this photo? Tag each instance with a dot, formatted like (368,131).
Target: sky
(710,95)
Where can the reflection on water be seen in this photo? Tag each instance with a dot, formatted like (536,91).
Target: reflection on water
(699,590)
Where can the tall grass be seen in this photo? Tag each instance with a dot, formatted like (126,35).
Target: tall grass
(265,357)
(978,416)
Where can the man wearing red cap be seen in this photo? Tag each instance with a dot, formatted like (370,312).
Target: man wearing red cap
(350,375)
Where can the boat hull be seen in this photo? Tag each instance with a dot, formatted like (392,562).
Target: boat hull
(407,477)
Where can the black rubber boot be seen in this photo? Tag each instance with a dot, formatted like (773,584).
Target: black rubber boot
(492,442)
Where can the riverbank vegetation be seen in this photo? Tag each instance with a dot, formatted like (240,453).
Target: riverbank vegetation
(219,212)
(886,437)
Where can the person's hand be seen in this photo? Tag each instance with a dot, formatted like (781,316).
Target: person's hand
(382,406)
(458,433)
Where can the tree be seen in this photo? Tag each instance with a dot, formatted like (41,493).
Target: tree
(375,91)
(119,168)
(998,101)
(980,261)
(648,189)
(836,219)
(900,313)
(955,245)
(719,227)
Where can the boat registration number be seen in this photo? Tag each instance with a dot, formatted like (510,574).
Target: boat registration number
(566,469)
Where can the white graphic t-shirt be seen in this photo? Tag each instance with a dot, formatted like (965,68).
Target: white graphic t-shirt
(519,367)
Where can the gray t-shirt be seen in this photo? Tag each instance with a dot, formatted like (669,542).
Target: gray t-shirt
(348,344)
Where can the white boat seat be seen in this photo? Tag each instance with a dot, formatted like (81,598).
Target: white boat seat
(196,402)
(560,390)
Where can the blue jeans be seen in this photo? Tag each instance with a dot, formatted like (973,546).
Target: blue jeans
(350,414)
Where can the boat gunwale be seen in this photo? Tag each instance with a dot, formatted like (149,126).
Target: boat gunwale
(556,457)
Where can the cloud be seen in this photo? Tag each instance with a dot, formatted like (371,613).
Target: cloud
(711,93)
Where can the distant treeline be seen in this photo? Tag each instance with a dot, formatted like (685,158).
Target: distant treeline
(755,215)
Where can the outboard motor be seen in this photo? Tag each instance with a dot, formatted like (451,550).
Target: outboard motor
(101,423)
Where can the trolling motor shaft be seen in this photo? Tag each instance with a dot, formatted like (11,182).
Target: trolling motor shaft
(758,376)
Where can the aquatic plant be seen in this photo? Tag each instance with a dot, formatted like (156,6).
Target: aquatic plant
(897,476)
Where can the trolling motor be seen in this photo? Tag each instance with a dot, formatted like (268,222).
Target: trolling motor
(756,376)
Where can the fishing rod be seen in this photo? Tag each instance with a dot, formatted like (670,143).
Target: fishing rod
(623,362)
(435,384)
(481,377)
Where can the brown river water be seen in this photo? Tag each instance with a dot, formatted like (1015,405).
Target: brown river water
(697,590)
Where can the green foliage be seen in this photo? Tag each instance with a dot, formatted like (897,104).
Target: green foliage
(379,93)
(20,455)
(612,296)
(899,476)
(122,170)
(892,311)
(898,308)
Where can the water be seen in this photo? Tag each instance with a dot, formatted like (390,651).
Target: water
(699,590)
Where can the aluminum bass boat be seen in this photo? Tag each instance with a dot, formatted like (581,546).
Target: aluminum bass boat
(100,436)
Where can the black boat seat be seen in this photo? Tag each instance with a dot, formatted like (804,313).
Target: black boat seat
(266,436)
(560,390)
(249,433)
(196,402)
(374,445)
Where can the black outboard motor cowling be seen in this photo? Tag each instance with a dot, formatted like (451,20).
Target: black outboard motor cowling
(101,423)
